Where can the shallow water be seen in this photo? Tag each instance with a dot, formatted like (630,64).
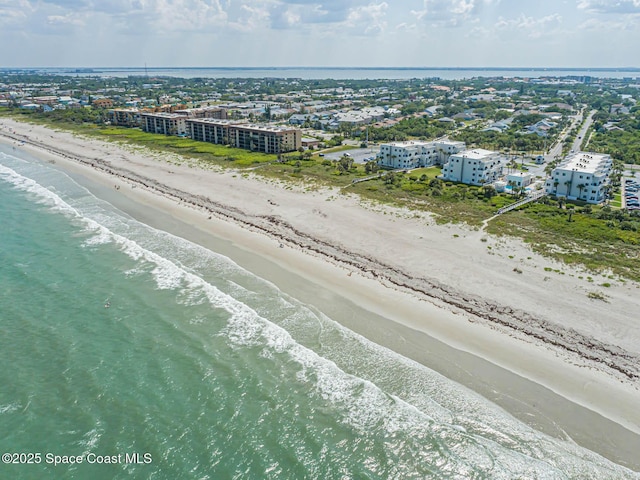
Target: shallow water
(118,338)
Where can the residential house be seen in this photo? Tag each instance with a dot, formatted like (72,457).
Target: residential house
(519,179)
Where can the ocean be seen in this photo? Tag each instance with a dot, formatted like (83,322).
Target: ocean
(128,352)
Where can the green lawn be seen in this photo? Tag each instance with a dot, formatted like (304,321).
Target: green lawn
(617,200)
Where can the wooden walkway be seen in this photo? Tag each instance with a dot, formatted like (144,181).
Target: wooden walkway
(531,198)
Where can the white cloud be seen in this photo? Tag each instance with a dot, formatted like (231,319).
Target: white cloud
(533,27)
(13,12)
(626,23)
(450,12)
(610,6)
(370,18)
(66,20)
(321,32)
(185,15)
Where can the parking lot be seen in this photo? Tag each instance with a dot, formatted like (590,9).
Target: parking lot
(631,197)
(359,155)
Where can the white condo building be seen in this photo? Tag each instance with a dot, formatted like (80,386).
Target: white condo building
(416,154)
(581,176)
(473,167)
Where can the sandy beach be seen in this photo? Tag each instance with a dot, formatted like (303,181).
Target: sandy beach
(488,312)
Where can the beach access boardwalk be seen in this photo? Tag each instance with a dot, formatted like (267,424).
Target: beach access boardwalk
(531,198)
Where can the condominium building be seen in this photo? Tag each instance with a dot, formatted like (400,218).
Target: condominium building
(164,123)
(263,138)
(473,167)
(204,112)
(257,138)
(414,154)
(209,130)
(124,117)
(581,176)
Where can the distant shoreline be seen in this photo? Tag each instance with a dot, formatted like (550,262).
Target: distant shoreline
(509,69)
(334,72)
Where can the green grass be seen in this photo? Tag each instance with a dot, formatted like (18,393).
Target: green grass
(185,146)
(599,244)
(450,202)
(617,200)
(339,148)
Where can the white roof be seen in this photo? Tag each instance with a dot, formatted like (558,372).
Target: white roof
(476,153)
(519,175)
(584,162)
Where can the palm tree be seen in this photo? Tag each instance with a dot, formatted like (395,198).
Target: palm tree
(555,185)
(568,185)
(580,188)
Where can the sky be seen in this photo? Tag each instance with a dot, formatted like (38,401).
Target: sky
(361,33)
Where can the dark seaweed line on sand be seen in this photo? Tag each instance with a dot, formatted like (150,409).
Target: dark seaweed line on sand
(568,340)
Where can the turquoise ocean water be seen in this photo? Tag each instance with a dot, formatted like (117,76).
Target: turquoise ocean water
(119,339)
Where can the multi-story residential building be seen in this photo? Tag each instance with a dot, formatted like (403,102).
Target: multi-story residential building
(102,103)
(263,138)
(257,138)
(416,154)
(204,112)
(209,130)
(473,167)
(581,176)
(164,123)
(124,117)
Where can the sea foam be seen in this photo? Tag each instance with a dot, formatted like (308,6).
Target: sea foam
(512,450)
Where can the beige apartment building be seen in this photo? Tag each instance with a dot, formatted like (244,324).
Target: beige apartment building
(257,138)
(124,117)
(164,123)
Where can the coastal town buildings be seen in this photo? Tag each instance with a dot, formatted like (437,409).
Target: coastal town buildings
(581,176)
(257,138)
(473,167)
(203,112)
(414,154)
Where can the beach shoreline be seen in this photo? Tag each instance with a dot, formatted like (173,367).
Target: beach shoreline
(606,383)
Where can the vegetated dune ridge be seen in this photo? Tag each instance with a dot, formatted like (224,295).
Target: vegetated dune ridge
(492,281)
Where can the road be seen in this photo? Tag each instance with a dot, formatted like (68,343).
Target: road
(556,150)
(583,131)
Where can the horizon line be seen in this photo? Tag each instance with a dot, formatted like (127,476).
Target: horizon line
(302,67)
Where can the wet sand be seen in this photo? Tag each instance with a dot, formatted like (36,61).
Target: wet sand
(581,388)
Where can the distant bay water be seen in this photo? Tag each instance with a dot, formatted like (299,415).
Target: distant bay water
(123,342)
(341,73)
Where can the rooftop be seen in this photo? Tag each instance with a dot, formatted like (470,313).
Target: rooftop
(476,154)
(585,162)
